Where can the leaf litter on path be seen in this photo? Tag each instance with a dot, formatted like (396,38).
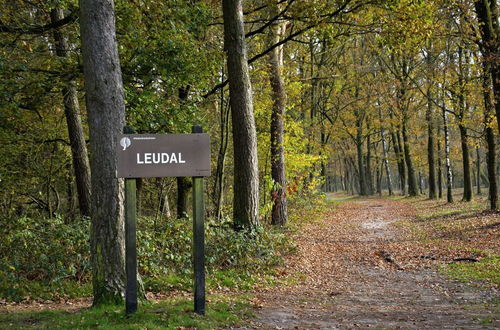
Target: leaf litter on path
(359,268)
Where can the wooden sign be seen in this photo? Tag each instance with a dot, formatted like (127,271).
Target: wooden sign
(163,155)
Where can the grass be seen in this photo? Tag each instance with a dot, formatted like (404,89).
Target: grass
(222,311)
(460,228)
(486,270)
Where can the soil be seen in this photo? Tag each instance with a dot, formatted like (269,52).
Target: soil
(353,275)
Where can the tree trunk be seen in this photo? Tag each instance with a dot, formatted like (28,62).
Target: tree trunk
(478,171)
(379,178)
(106,114)
(487,14)
(421,182)
(183,184)
(279,212)
(449,174)
(396,141)
(440,165)
(246,172)
(386,163)
(76,135)
(430,147)
(361,166)
(183,187)
(490,138)
(368,173)
(466,163)
(412,180)
(221,156)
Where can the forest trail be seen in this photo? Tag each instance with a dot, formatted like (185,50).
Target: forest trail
(350,279)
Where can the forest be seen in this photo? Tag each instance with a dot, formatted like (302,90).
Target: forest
(393,100)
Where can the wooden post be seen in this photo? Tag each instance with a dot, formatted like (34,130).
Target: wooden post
(130,246)
(198,241)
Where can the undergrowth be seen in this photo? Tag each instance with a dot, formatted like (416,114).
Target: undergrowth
(49,258)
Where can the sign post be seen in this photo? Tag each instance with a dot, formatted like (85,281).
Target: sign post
(130,246)
(164,155)
(198,241)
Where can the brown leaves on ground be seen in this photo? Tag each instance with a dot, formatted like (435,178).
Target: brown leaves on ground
(367,263)
(389,234)
(443,233)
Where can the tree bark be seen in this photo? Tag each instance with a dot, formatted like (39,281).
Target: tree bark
(430,147)
(478,171)
(412,180)
(361,165)
(487,14)
(183,187)
(400,160)
(279,213)
(368,173)
(440,165)
(467,196)
(183,184)
(386,163)
(246,176)
(106,113)
(490,137)
(449,174)
(221,155)
(81,166)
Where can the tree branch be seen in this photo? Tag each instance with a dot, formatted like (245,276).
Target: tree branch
(41,28)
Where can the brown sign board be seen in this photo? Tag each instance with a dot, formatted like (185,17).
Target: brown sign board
(163,155)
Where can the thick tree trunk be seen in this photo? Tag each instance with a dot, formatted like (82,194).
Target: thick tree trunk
(76,135)
(412,180)
(106,112)
(490,138)
(246,172)
(486,11)
(490,161)
(467,196)
(487,14)
(279,212)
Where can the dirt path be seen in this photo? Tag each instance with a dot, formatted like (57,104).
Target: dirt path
(349,279)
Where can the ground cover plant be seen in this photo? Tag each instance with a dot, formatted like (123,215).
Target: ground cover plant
(238,263)
(460,238)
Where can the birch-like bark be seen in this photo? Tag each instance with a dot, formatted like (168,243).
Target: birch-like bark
(449,174)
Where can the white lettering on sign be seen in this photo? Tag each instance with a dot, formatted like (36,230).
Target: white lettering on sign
(160,158)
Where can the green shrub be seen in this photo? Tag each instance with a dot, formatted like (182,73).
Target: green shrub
(48,258)
(47,251)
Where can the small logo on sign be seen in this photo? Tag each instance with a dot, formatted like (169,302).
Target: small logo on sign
(125,142)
